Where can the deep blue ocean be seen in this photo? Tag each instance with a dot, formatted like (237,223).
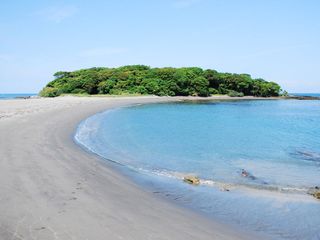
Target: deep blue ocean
(265,152)
(15,95)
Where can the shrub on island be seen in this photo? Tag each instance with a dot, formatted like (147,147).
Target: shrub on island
(233,93)
(49,92)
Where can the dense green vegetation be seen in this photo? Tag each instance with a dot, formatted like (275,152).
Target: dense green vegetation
(139,79)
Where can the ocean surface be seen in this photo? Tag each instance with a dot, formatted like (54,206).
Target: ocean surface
(306,94)
(257,160)
(15,95)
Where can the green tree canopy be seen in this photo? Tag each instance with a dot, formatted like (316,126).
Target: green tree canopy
(140,79)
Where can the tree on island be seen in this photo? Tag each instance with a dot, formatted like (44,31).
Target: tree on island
(140,79)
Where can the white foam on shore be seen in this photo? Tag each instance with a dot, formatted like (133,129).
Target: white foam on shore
(262,190)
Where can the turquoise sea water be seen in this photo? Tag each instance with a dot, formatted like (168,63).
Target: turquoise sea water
(15,95)
(266,153)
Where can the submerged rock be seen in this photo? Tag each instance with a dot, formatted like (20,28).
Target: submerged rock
(303,97)
(315,192)
(194,180)
(307,155)
(317,195)
(224,189)
(246,174)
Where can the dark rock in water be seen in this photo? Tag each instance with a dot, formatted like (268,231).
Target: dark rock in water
(246,174)
(252,177)
(194,180)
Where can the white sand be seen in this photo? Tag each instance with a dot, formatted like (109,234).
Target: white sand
(52,189)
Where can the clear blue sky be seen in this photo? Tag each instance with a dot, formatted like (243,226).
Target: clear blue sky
(278,40)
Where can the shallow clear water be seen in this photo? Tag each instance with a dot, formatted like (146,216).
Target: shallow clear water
(276,143)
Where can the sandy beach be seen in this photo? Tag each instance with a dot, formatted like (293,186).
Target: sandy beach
(52,189)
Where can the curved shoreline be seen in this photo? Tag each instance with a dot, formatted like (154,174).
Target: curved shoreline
(52,188)
(180,176)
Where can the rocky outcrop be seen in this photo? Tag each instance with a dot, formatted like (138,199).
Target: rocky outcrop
(194,180)
(317,195)
(315,192)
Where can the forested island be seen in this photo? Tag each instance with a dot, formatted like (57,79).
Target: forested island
(140,79)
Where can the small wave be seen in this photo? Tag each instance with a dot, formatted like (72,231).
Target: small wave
(272,188)
(227,185)
(307,155)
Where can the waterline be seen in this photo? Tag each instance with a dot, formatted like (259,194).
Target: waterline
(147,140)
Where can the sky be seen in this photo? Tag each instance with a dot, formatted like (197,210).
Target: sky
(278,40)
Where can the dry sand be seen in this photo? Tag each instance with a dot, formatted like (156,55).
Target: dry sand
(52,189)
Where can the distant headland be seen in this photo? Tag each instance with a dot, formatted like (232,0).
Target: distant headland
(168,81)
